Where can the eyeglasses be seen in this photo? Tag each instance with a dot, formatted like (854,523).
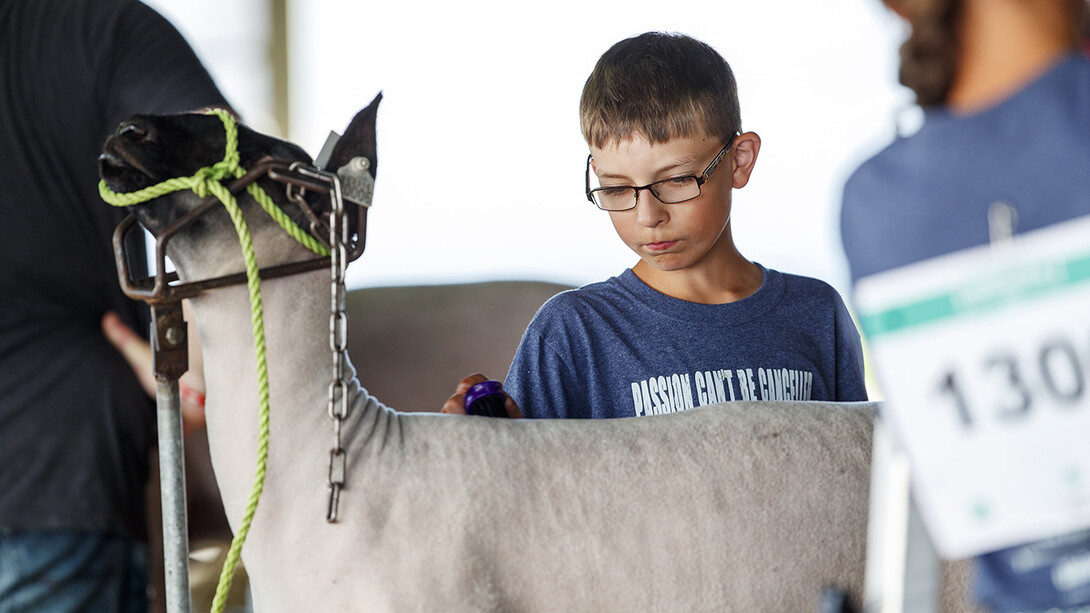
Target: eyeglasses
(668,191)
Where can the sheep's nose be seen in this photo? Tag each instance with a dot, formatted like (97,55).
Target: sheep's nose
(133,131)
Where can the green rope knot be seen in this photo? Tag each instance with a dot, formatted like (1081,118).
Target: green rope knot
(207,181)
(202,178)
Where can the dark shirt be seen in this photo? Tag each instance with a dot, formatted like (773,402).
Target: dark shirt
(75,426)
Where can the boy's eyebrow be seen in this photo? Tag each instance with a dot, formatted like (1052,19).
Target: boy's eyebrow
(684,161)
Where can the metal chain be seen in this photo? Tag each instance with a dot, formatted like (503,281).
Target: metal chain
(338,343)
(358,187)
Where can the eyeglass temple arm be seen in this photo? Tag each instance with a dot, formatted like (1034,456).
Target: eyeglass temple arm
(587,178)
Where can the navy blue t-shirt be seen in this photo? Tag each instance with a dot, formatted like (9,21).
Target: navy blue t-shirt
(619,348)
(929,194)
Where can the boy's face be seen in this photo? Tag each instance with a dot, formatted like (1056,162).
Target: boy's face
(669,237)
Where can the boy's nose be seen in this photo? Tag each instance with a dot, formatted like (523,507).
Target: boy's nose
(650,211)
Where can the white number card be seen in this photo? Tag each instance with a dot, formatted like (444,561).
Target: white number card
(984,356)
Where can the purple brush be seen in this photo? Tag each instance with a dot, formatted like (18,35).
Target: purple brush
(486,398)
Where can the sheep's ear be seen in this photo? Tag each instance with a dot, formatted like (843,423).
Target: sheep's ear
(358,140)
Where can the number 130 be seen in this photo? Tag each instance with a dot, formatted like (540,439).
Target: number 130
(1055,370)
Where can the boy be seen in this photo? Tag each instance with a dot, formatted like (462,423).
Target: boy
(693,322)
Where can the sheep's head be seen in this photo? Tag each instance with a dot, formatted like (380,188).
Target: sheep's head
(147,150)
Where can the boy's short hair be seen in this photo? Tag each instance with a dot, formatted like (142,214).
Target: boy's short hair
(660,86)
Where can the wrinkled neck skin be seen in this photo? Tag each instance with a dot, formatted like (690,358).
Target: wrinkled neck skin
(299,360)
(299,371)
(289,530)
(298,357)
(297,351)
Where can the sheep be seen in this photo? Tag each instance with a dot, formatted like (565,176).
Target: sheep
(743,506)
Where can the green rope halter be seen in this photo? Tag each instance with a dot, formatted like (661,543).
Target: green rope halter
(207,181)
(204,182)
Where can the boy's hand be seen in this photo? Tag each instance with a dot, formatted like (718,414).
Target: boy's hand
(455,405)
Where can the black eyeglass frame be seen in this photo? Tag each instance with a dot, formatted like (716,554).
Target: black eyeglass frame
(700,181)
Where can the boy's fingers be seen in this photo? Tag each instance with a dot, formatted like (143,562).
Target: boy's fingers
(454,405)
(470,381)
(512,407)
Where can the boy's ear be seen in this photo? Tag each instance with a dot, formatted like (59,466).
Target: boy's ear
(358,139)
(745,150)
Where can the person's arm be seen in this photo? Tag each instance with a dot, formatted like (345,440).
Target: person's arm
(137,352)
(539,379)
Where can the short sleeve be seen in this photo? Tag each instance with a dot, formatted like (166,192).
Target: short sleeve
(539,379)
(851,385)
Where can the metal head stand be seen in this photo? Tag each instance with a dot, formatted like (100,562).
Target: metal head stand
(169,334)
(170,360)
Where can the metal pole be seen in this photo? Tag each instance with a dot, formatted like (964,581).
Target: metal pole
(172,478)
(170,359)
(902,568)
(280,64)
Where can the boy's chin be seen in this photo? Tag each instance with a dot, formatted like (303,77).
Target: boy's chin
(660,265)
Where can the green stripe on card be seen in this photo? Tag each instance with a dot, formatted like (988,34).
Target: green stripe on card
(1016,284)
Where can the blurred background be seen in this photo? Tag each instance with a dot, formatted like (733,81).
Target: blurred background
(481,157)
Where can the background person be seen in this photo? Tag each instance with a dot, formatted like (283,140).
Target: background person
(1006,98)
(76,427)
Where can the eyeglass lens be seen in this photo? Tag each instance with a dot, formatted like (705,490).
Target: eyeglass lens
(669,191)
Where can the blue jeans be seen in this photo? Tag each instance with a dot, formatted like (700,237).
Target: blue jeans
(62,572)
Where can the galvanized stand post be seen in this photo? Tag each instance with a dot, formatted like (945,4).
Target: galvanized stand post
(903,570)
(170,360)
